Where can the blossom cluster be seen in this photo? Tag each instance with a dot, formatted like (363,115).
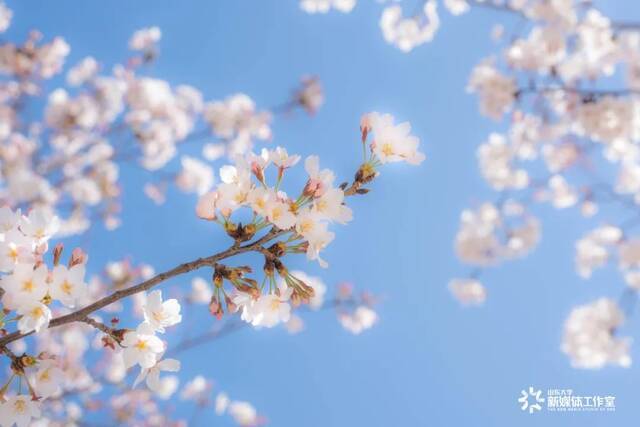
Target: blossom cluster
(29,290)
(403,32)
(29,285)
(68,158)
(570,142)
(253,185)
(589,336)
(142,347)
(60,170)
(324,6)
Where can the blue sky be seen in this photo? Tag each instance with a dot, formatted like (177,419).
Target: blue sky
(428,361)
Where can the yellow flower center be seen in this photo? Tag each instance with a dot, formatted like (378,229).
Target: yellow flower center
(141,344)
(20,406)
(276,213)
(159,316)
(306,226)
(240,197)
(275,304)
(45,376)
(28,285)
(321,205)
(37,312)
(66,287)
(13,253)
(387,149)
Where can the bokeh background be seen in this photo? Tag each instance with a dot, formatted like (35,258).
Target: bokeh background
(428,361)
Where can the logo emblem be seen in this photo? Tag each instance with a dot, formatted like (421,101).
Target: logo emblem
(531,400)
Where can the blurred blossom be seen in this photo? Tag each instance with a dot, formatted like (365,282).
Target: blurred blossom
(589,336)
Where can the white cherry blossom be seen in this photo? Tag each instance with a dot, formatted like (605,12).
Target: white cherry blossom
(35,316)
(391,142)
(324,6)
(19,410)
(145,38)
(361,319)
(142,347)
(589,338)
(162,386)
(408,33)
(272,309)
(25,284)
(67,284)
(243,413)
(47,379)
(161,314)
(468,291)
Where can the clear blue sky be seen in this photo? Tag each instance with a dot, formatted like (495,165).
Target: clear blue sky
(429,361)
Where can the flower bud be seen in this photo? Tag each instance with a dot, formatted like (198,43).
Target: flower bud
(215,308)
(57,253)
(366,173)
(77,257)
(313,188)
(258,171)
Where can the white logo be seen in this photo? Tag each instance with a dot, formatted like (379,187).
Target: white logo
(531,400)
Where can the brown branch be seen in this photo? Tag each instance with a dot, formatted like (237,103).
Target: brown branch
(98,325)
(228,328)
(82,314)
(626,26)
(542,90)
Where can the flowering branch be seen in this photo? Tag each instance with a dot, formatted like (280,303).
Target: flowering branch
(61,171)
(210,261)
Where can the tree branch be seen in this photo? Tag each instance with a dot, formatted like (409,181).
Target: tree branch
(210,261)
(542,90)
(81,315)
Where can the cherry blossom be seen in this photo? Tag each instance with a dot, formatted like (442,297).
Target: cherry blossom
(145,38)
(19,410)
(61,173)
(163,386)
(243,413)
(497,92)
(25,285)
(407,33)
(468,291)
(361,319)
(236,120)
(392,143)
(34,316)
(323,6)
(142,347)
(5,17)
(271,309)
(195,177)
(47,379)
(195,389)
(588,336)
(159,314)
(201,291)
(82,72)
(67,284)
